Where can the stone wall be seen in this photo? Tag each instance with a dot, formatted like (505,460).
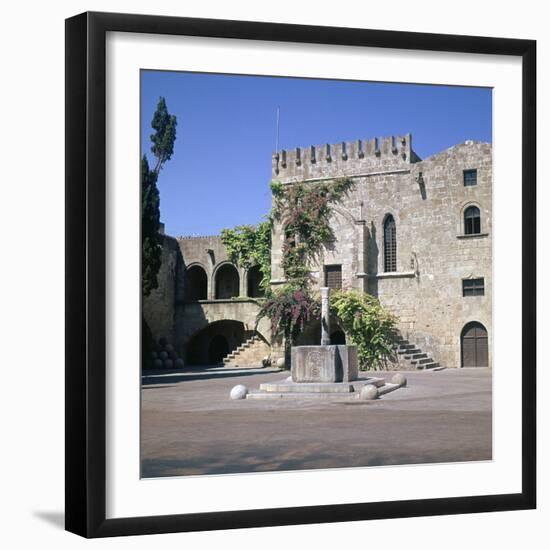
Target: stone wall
(427,200)
(159,308)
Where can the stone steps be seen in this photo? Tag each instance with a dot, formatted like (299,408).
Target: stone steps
(413,356)
(283,390)
(249,353)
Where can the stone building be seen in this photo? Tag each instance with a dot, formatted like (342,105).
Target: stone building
(415,233)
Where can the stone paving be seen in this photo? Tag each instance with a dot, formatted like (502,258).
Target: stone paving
(191,427)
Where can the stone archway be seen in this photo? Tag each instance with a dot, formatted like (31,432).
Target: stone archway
(254,278)
(196,284)
(311,335)
(218,348)
(212,343)
(226,282)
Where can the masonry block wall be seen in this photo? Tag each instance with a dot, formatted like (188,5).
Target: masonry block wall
(427,199)
(159,308)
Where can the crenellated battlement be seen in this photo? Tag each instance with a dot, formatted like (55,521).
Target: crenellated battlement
(343,159)
(196,237)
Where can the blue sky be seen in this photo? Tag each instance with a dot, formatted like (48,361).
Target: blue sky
(220,171)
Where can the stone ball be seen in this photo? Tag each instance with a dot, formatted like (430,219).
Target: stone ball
(238,392)
(162,342)
(154,355)
(280,363)
(178,363)
(173,355)
(368,392)
(400,379)
(168,363)
(157,363)
(169,348)
(163,355)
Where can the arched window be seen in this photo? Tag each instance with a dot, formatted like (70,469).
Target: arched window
(390,244)
(472,221)
(196,284)
(227,282)
(254,279)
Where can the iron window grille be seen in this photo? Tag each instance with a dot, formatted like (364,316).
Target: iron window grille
(470,177)
(333,276)
(473,287)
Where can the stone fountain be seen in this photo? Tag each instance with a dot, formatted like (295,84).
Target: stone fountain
(326,370)
(325,363)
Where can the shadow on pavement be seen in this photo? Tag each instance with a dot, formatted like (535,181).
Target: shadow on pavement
(153,378)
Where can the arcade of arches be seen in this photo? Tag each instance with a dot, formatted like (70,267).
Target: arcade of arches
(226,283)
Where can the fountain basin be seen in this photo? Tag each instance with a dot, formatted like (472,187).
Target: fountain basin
(318,364)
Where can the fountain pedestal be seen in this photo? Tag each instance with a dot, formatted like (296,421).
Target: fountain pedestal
(318,364)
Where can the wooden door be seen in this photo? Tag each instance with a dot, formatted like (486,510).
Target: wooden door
(475,346)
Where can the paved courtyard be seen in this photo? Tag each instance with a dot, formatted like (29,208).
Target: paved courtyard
(191,427)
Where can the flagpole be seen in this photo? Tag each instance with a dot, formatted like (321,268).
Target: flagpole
(277,133)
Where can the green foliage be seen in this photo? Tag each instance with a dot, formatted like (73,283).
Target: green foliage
(164,136)
(304,211)
(289,309)
(151,240)
(250,245)
(369,326)
(163,140)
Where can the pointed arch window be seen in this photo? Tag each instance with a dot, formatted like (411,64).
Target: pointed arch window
(472,221)
(390,244)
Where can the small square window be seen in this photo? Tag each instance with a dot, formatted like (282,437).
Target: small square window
(470,177)
(473,287)
(333,276)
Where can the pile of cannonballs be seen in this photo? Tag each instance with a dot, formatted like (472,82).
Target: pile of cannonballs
(165,357)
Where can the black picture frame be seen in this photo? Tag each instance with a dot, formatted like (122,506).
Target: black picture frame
(86,268)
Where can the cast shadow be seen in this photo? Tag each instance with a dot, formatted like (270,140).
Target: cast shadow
(56,519)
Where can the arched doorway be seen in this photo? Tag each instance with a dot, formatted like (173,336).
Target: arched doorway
(254,279)
(311,335)
(227,282)
(338,338)
(196,284)
(217,349)
(209,345)
(474,345)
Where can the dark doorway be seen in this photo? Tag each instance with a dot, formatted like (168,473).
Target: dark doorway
(254,289)
(338,338)
(209,345)
(475,345)
(196,284)
(227,282)
(217,349)
(311,335)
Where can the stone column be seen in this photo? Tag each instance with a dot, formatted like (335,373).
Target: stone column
(325,317)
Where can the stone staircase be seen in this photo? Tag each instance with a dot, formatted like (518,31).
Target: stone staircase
(411,356)
(249,354)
